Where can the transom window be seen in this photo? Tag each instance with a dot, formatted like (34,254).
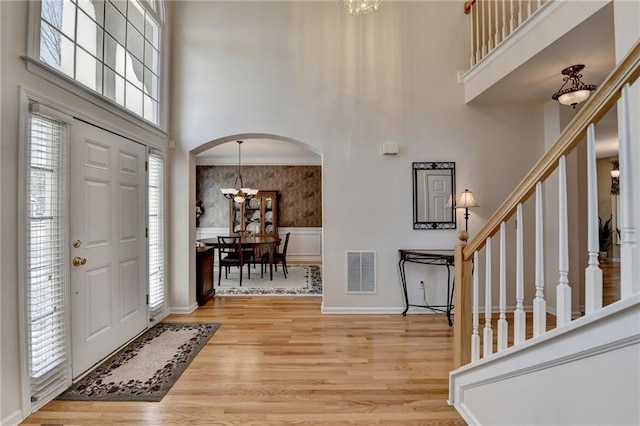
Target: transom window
(109,46)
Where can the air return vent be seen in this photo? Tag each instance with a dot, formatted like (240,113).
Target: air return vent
(361,272)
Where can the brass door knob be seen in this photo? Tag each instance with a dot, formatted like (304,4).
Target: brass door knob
(77,261)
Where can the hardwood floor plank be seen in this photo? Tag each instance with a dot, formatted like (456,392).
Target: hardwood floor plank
(279,360)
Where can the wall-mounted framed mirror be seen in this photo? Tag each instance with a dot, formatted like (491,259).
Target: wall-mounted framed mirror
(434,186)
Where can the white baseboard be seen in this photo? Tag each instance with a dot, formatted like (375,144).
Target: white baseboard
(13,419)
(364,311)
(176,310)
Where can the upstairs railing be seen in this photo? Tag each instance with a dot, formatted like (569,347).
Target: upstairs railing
(492,21)
(467,337)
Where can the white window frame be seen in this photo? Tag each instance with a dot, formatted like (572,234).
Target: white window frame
(156,9)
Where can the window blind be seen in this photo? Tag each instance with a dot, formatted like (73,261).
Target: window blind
(46,258)
(156,237)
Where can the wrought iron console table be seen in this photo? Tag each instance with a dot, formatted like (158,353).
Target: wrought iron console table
(428,257)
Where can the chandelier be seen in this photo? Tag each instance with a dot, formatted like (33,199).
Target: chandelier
(578,91)
(360,7)
(239,193)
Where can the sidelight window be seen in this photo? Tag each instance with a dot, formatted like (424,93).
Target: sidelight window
(45,254)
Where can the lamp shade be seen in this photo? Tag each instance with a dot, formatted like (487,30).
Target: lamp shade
(465,200)
(573,98)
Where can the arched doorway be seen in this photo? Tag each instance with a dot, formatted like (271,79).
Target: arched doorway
(269,163)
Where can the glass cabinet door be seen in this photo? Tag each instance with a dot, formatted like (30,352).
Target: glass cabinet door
(269,204)
(252,214)
(237,217)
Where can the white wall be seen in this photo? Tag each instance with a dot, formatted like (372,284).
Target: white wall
(13,15)
(343,85)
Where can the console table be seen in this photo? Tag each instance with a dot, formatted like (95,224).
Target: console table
(428,257)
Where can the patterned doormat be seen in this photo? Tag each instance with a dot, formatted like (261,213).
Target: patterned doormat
(302,280)
(146,368)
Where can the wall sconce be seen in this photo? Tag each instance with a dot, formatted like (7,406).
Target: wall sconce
(577,92)
(615,178)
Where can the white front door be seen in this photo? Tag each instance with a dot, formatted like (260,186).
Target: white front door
(108,243)
(439,193)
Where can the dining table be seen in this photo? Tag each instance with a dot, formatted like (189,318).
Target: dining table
(270,242)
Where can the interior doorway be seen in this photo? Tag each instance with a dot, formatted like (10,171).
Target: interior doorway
(270,164)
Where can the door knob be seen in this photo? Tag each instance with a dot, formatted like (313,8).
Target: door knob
(77,261)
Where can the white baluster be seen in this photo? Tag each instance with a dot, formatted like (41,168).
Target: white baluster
(519,317)
(519,12)
(512,18)
(490,26)
(593,273)
(563,291)
(472,20)
(476,8)
(497,34)
(475,337)
(484,29)
(504,19)
(539,304)
(628,243)
(488,332)
(503,325)
(529,9)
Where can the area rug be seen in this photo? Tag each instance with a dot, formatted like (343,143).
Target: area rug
(302,280)
(146,368)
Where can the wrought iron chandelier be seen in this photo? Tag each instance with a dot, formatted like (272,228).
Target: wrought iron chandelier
(239,192)
(577,91)
(360,7)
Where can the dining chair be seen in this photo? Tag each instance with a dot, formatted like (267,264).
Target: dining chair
(278,257)
(231,253)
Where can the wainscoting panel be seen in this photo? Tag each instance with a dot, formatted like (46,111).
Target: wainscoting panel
(305,244)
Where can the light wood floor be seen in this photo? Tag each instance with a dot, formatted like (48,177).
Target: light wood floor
(280,361)
(610,282)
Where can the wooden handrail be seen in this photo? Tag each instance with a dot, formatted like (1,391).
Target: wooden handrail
(593,110)
(468,5)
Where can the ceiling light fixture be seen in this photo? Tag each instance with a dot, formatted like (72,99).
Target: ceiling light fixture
(578,91)
(239,193)
(361,7)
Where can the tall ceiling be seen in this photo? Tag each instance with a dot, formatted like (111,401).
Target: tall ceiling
(590,43)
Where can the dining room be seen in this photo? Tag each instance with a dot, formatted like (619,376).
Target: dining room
(266,193)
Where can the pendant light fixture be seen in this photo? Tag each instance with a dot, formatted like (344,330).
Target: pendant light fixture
(361,7)
(577,91)
(239,192)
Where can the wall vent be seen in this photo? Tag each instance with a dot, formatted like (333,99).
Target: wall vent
(361,271)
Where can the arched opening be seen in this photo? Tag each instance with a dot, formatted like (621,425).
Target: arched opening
(290,170)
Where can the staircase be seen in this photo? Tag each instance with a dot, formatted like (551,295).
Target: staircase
(586,369)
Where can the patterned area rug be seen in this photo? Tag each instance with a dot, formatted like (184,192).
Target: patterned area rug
(302,280)
(146,368)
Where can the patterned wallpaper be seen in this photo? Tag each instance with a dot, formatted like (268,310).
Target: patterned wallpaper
(300,188)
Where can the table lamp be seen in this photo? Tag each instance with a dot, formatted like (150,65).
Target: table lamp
(465,200)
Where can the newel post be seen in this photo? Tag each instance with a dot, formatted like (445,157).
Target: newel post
(462,323)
